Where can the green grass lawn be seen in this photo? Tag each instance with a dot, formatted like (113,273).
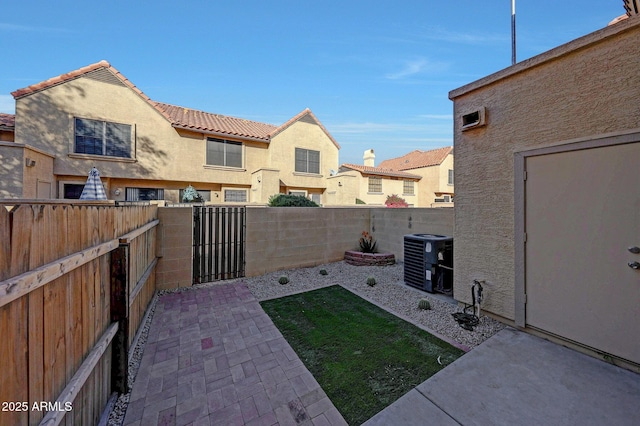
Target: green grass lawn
(363,357)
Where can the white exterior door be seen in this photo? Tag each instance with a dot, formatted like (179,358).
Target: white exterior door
(582,218)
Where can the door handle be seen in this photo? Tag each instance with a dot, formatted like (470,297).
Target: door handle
(634,265)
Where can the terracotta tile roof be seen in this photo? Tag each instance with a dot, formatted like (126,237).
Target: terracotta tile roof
(201,121)
(7,121)
(378,171)
(185,118)
(417,159)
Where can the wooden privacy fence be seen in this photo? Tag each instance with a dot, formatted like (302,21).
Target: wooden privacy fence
(75,281)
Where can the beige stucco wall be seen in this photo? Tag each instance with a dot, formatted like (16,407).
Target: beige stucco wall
(342,189)
(38,175)
(12,170)
(302,134)
(588,87)
(390,186)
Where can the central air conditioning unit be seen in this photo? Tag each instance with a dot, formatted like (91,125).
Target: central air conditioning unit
(428,262)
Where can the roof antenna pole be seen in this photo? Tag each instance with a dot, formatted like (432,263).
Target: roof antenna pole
(513,32)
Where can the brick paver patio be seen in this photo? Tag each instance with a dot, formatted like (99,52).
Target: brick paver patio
(213,357)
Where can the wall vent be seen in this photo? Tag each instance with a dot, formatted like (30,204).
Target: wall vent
(474,119)
(105,76)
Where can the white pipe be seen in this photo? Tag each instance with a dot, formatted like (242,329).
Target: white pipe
(513,32)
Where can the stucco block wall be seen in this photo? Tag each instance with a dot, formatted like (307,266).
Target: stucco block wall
(587,87)
(41,174)
(281,238)
(11,172)
(389,226)
(175,248)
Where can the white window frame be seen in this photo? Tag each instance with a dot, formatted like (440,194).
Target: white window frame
(237,190)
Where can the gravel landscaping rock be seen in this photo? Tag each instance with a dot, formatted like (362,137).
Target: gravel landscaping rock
(390,292)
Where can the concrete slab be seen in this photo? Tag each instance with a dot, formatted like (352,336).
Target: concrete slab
(411,409)
(515,378)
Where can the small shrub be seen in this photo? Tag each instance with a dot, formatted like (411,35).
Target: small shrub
(323,272)
(371,281)
(285,200)
(367,245)
(190,195)
(395,201)
(359,201)
(424,304)
(283,280)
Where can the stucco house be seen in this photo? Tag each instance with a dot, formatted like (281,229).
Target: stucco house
(371,184)
(435,168)
(422,178)
(148,150)
(7,127)
(548,193)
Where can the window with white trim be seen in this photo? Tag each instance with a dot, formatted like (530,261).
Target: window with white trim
(408,187)
(375,184)
(221,152)
(307,161)
(235,196)
(102,138)
(450,181)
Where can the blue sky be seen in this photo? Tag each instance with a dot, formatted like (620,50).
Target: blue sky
(376,73)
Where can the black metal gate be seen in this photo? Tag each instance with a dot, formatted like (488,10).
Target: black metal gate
(218,243)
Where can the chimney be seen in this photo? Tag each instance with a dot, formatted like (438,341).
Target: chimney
(369,158)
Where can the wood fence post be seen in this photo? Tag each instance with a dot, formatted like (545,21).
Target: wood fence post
(120,314)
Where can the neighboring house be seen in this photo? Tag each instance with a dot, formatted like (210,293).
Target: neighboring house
(422,178)
(24,169)
(147,150)
(435,167)
(371,184)
(7,127)
(548,192)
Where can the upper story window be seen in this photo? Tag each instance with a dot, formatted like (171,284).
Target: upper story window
(307,161)
(222,152)
(407,187)
(450,182)
(102,138)
(375,184)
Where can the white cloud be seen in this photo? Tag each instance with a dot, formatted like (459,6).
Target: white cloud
(25,28)
(7,104)
(417,66)
(437,116)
